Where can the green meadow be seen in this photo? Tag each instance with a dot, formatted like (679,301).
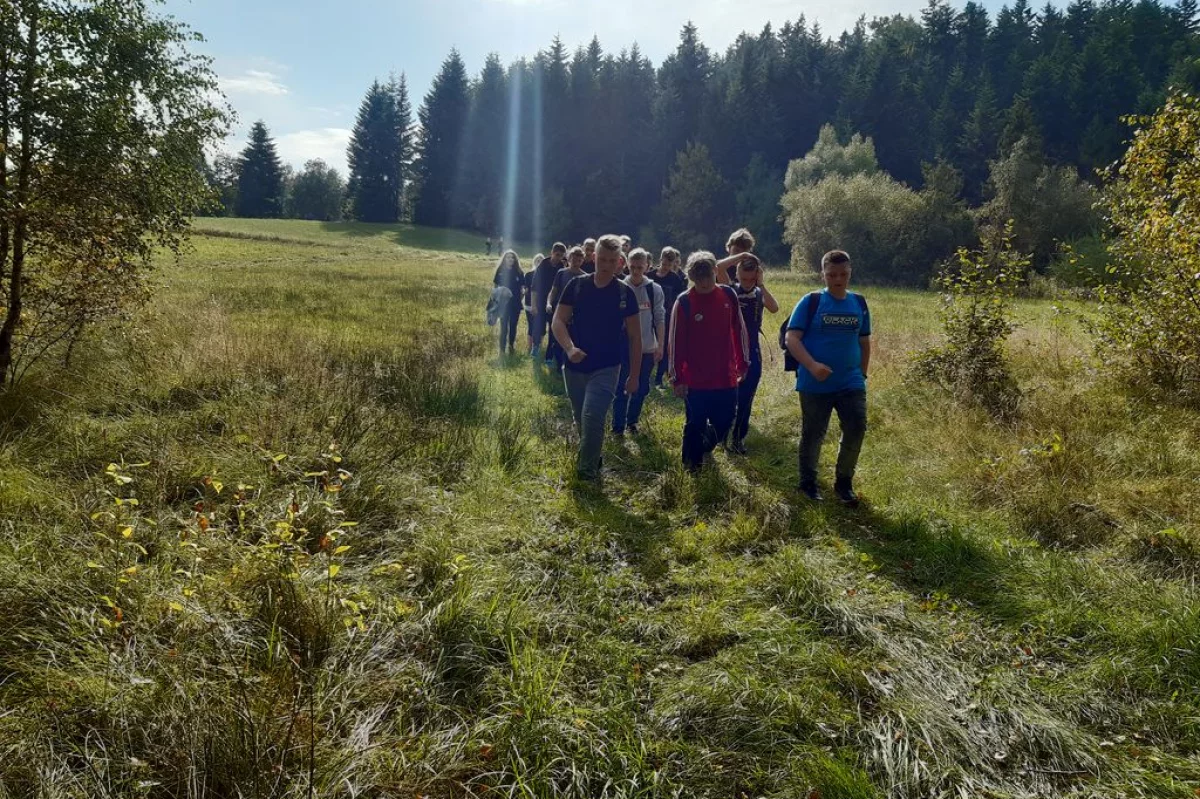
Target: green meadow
(299,532)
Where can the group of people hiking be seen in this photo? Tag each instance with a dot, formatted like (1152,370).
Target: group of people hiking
(614,323)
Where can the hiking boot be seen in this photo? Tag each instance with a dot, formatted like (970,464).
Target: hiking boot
(845,493)
(738,447)
(811,492)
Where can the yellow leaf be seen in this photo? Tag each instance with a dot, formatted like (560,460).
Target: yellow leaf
(341,549)
(333,570)
(175,606)
(127,532)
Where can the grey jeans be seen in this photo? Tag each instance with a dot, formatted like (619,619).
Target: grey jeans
(591,395)
(851,407)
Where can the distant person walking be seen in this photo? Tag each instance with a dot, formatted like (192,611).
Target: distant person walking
(591,315)
(527,302)
(829,335)
(709,357)
(753,298)
(672,282)
(488,244)
(543,281)
(509,276)
(627,409)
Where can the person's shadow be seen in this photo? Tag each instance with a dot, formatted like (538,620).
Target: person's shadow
(918,551)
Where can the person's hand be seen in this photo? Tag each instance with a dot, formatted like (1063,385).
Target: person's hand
(820,371)
(657,354)
(576,355)
(742,372)
(631,385)
(549,308)
(681,390)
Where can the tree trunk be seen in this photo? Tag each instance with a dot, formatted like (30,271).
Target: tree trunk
(25,115)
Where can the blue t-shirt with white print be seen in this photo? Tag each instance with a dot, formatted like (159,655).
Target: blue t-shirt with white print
(834,341)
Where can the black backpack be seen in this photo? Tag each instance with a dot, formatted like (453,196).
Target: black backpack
(790,364)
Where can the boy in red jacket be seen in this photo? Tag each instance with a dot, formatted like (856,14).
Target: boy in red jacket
(710,353)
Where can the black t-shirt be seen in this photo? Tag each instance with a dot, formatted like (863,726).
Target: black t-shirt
(751,303)
(543,280)
(672,285)
(526,284)
(597,321)
(589,267)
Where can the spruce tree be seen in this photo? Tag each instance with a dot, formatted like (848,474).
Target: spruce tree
(260,191)
(443,118)
(377,153)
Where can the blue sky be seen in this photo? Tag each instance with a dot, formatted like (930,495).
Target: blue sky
(303,65)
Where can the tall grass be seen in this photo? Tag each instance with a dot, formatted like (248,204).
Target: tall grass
(299,534)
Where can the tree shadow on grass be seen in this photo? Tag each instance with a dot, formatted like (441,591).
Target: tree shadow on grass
(918,551)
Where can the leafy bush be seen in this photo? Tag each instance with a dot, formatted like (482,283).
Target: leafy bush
(830,158)
(1149,328)
(977,320)
(896,234)
(1047,204)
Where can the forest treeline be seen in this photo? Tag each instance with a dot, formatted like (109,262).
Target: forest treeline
(969,118)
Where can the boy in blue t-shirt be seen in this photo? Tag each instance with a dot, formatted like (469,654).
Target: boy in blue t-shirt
(832,344)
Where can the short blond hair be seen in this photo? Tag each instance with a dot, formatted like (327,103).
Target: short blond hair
(576,250)
(639,255)
(610,242)
(742,238)
(701,263)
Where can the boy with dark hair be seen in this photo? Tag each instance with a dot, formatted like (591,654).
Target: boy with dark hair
(753,298)
(592,313)
(627,409)
(709,357)
(829,335)
(671,280)
(543,281)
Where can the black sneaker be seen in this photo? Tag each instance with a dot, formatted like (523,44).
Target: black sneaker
(633,430)
(845,493)
(618,433)
(737,448)
(811,491)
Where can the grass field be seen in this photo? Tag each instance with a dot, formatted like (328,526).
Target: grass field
(301,533)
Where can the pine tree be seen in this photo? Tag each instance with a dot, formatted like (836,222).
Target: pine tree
(443,117)
(483,182)
(682,80)
(260,190)
(695,207)
(375,156)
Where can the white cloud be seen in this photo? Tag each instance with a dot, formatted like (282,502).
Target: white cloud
(328,144)
(254,81)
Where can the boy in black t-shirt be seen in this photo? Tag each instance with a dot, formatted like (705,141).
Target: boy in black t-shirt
(589,256)
(543,280)
(753,297)
(673,283)
(592,313)
(561,280)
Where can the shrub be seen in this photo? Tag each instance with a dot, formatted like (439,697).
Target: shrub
(1149,327)
(1047,204)
(977,319)
(896,234)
